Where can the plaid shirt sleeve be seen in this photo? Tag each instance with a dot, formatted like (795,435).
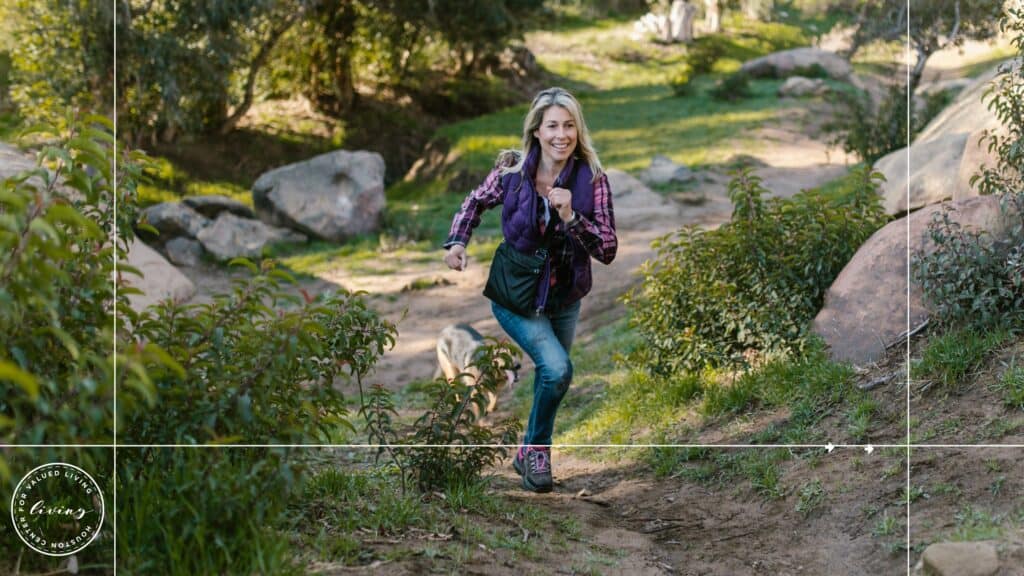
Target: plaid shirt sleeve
(598,235)
(486,196)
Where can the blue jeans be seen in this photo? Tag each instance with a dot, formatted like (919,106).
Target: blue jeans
(546,339)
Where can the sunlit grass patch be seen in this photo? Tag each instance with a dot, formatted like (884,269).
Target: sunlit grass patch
(949,358)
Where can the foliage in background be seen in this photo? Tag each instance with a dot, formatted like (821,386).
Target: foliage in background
(62,56)
(753,283)
(970,279)
(735,86)
(869,130)
(56,262)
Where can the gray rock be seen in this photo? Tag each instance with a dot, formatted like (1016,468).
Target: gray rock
(960,559)
(865,309)
(160,280)
(184,251)
(799,87)
(934,166)
(664,171)
(789,62)
(232,237)
(174,219)
(976,154)
(332,196)
(14,162)
(211,206)
(634,201)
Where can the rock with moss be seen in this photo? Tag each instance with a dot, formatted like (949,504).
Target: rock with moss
(798,61)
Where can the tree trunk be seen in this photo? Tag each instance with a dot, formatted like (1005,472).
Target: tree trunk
(713,16)
(257,63)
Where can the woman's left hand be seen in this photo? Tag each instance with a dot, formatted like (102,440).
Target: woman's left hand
(561,199)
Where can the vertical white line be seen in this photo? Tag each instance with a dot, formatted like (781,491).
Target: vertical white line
(116,190)
(906,359)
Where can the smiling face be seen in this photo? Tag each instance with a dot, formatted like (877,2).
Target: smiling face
(557,135)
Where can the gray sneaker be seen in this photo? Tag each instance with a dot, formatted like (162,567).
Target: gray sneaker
(533,463)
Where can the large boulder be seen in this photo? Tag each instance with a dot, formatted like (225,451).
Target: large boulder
(798,61)
(933,167)
(211,206)
(865,309)
(232,237)
(173,219)
(333,196)
(160,280)
(960,559)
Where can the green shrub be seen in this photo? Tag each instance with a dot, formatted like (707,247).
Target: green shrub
(969,279)
(681,81)
(1005,98)
(56,297)
(1011,386)
(869,131)
(257,366)
(735,86)
(455,446)
(704,52)
(753,283)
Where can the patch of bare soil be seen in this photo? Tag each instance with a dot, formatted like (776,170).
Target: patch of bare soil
(629,522)
(969,494)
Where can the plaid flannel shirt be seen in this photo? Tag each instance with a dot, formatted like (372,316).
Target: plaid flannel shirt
(597,235)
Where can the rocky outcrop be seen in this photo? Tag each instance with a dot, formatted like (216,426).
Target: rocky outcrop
(865,309)
(184,251)
(633,201)
(174,219)
(933,168)
(232,237)
(797,62)
(960,559)
(333,196)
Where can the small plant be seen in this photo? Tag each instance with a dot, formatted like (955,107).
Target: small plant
(869,131)
(735,86)
(1011,386)
(704,52)
(682,81)
(811,497)
(763,472)
(885,526)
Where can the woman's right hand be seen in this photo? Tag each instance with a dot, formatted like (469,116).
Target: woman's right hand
(456,258)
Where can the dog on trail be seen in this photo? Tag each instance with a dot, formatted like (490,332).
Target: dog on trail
(457,346)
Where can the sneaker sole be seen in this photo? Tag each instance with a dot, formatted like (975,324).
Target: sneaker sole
(515,466)
(534,488)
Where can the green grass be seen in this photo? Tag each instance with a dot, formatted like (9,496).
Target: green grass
(950,357)
(1010,385)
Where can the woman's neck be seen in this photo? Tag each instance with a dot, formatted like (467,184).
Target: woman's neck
(550,168)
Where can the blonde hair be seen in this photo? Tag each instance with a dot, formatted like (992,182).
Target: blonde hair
(513,160)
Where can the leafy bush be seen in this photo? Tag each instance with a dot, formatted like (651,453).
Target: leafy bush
(454,445)
(869,131)
(735,86)
(753,283)
(704,52)
(1005,98)
(257,365)
(969,279)
(681,81)
(56,262)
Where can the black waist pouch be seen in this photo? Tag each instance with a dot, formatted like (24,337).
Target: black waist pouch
(514,279)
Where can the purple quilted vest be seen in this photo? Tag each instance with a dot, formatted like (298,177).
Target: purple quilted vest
(520,227)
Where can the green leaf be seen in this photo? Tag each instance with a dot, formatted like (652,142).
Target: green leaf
(27,382)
